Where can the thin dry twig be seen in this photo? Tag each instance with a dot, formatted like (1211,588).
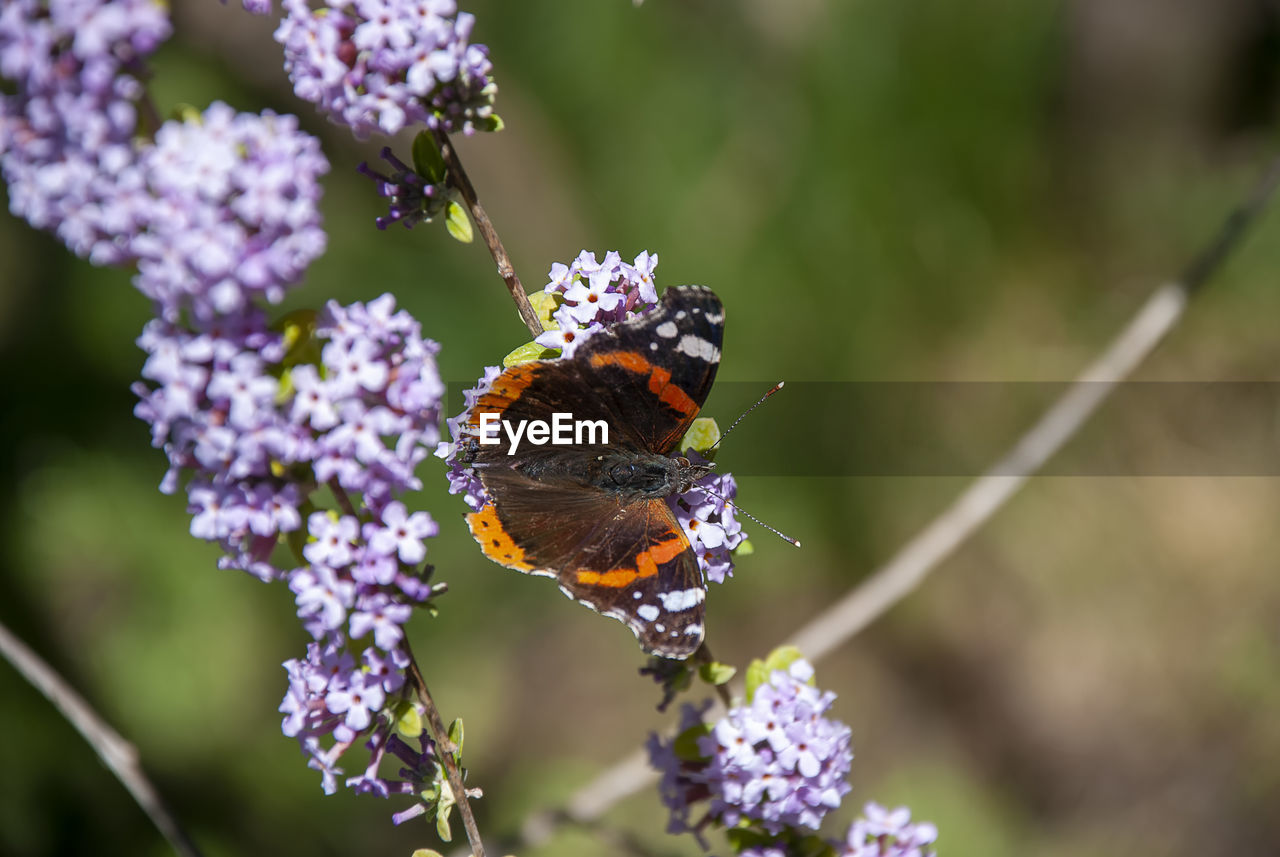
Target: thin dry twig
(980,501)
(120,757)
(460,180)
(445,749)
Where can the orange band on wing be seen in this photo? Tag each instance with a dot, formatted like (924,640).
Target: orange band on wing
(616,579)
(647,562)
(506,388)
(659,379)
(494,540)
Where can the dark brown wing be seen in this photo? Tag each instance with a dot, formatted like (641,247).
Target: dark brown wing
(630,561)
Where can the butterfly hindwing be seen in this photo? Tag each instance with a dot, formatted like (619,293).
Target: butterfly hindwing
(631,561)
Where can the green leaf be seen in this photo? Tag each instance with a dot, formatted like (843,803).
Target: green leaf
(425,852)
(492,122)
(717,673)
(443,808)
(529,351)
(757,674)
(686,743)
(782,658)
(455,735)
(442,823)
(544,304)
(458,224)
(702,435)
(758,671)
(744,548)
(409,723)
(426,158)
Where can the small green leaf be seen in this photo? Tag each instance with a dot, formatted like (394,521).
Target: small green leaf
(442,823)
(757,674)
(716,673)
(425,852)
(409,723)
(443,808)
(188,113)
(758,671)
(702,435)
(529,351)
(455,735)
(744,548)
(686,743)
(544,304)
(782,658)
(426,158)
(458,224)
(492,122)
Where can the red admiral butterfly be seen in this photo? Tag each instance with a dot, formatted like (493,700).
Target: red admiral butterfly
(595,516)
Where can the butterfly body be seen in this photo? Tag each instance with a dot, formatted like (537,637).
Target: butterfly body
(596,516)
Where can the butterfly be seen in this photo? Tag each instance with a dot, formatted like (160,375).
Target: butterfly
(593,512)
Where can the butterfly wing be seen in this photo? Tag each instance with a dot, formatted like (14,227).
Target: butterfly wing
(628,560)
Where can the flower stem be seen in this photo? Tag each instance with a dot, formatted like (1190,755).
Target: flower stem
(445,750)
(459,179)
(116,753)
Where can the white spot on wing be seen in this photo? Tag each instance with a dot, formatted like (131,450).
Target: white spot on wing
(667,330)
(647,612)
(659,627)
(682,599)
(717,318)
(696,346)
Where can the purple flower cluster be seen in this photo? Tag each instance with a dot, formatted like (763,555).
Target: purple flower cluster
(66,135)
(259,430)
(776,762)
(382,65)
(595,295)
(227,214)
(882,832)
(710,520)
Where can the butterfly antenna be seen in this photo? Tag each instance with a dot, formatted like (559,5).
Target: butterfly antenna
(775,388)
(728,502)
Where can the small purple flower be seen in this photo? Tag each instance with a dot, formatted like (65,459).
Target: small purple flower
(323,598)
(333,540)
(882,832)
(401,533)
(357,701)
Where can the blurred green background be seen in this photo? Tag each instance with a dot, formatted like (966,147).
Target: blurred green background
(905,190)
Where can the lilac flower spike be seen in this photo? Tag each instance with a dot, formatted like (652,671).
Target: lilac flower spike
(379,66)
(231,215)
(66,134)
(776,763)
